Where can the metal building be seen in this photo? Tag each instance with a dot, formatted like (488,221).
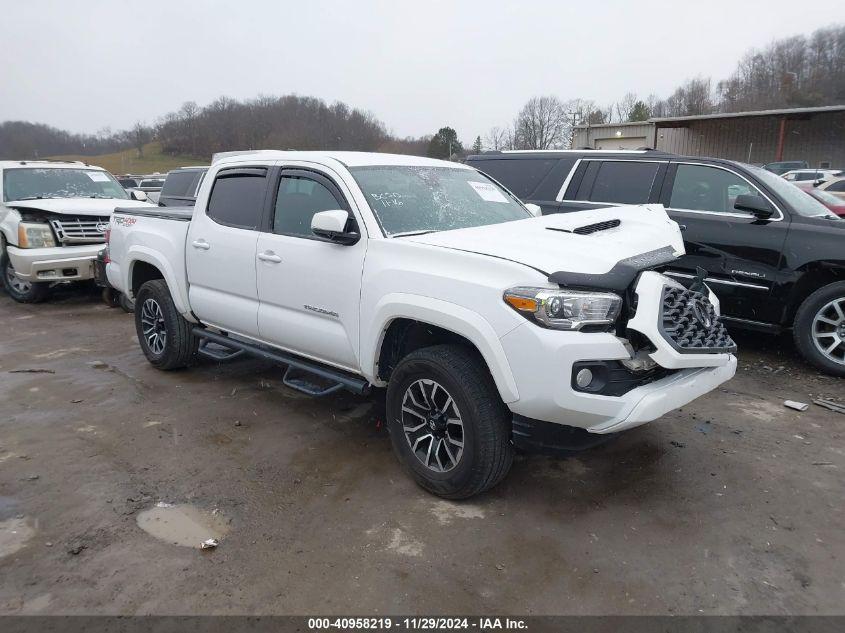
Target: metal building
(816,135)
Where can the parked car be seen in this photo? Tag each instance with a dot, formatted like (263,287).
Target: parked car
(151,187)
(53,219)
(490,328)
(837,205)
(835,186)
(773,254)
(127,182)
(181,186)
(814,176)
(781,167)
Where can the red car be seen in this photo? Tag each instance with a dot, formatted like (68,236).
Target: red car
(837,205)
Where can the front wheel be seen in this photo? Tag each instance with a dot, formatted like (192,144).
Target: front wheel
(448,425)
(165,336)
(819,328)
(19,289)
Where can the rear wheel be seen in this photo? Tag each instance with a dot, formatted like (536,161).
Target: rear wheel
(819,328)
(19,289)
(165,336)
(448,425)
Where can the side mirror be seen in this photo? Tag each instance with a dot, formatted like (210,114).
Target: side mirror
(335,226)
(137,194)
(816,183)
(535,209)
(755,205)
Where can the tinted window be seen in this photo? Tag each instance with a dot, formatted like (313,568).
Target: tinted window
(702,188)
(837,186)
(625,182)
(179,183)
(522,176)
(297,202)
(237,198)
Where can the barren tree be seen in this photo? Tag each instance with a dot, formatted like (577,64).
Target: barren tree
(496,138)
(542,124)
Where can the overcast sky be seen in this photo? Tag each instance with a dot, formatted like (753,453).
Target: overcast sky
(417,65)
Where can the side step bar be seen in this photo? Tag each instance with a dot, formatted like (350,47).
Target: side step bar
(341,379)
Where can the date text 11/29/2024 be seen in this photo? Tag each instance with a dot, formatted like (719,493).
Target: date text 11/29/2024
(417,623)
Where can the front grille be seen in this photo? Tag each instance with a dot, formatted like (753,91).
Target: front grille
(83,229)
(690,323)
(595,228)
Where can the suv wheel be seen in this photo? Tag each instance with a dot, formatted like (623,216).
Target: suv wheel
(448,425)
(165,336)
(819,328)
(19,289)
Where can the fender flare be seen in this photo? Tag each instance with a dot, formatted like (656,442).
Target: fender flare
(444,314)
(137,254)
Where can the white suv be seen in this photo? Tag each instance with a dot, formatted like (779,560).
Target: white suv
(53,221)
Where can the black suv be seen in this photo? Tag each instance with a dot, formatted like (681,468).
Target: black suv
(774,256)
(181,186)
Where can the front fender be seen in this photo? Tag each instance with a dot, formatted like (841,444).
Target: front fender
(177,286)
(449,316)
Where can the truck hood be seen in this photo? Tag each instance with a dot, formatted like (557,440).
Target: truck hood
(550,244)
(76,206)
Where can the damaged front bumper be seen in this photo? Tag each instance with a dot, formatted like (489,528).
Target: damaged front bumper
(59,263)
(545,363)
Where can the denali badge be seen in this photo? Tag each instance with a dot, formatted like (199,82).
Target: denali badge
(701,314)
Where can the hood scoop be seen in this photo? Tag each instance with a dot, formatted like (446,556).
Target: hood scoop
(589,228)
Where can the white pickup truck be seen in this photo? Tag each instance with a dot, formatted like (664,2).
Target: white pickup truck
(53,221)
(491,328)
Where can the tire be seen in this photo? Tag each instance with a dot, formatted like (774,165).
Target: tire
(126,303)
(165,337)
(819,329)
(18,289)
(460,460)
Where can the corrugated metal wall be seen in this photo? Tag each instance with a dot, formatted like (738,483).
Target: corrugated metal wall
(588,137)
(817,139)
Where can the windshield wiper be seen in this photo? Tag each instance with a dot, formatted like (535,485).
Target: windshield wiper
(409,233)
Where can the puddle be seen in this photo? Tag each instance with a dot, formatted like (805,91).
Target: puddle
(182,524)
(14,534)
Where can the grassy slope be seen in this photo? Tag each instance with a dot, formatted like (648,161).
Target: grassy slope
(127,161)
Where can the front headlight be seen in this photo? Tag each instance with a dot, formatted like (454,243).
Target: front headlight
(35,235)
(565,309)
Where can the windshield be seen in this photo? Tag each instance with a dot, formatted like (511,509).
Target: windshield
(51,182)
(800,202)
(412,200)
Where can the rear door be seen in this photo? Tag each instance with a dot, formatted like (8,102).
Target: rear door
(740,253)
(602,183)
(309,289)
(221,250)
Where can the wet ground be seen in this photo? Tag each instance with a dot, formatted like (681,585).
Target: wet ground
(113,473)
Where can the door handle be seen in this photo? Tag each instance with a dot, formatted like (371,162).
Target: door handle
(269,256)
(201,244)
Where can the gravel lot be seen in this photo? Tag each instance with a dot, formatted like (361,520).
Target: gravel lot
(733,505)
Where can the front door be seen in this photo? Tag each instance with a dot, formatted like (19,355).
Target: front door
(220,251)
(740,252)
(309,289)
